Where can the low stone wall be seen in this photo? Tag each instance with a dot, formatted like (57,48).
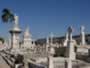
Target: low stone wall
(82,50)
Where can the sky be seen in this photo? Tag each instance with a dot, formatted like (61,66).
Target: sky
(46,16)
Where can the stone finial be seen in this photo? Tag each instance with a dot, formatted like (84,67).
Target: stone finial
(27,32)
(16,19)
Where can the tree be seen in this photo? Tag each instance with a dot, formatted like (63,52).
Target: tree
(2,39)
(7,15)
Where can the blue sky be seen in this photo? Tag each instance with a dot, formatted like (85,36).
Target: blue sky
(46,16)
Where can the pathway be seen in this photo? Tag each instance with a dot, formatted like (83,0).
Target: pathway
(3,64)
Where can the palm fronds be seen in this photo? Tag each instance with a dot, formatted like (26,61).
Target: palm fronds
(7,15)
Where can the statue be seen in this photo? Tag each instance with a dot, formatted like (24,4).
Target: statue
(70,33)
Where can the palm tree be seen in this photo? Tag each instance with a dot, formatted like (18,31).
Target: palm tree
(7,15)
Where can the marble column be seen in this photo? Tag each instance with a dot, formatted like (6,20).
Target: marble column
(82,35)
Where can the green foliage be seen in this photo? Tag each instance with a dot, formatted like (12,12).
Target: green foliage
(1,39)
(60,51)
(7,15)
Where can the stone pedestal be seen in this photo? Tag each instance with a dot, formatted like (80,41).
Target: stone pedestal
(69,63)
(82,50)
(70,53)
(26,64)
(14,40)
(50,62)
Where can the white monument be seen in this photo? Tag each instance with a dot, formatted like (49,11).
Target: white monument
(15,31)
(51,53)
(70,53)
(50,57)
(82,34)
(66,41)
(27,40)
(51,47)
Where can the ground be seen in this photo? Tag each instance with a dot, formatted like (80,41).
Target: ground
(3,64)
